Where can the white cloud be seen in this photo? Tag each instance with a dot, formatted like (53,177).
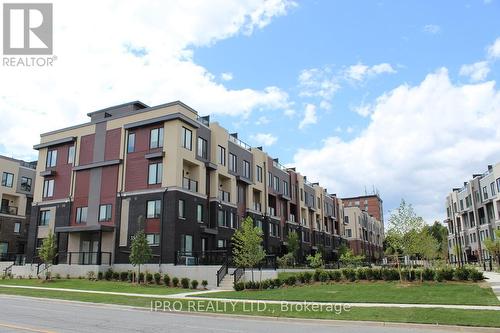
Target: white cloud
(432,29)
(262,120)
(421,142)
(325,105)
(364,110)
(316,82)
(309,116)
(290,113)
(476,71)
(226,76)
(264,139)
(360,71)
(494,49)
(137,50)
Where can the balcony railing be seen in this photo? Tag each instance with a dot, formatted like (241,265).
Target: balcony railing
(271,211)
(239,142)
(224,196)
(84,258)
(257,206)
(10,210)
(195,258)
(277,165)
(291,218)
(190,184)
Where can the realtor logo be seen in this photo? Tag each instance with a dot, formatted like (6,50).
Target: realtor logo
(27,28)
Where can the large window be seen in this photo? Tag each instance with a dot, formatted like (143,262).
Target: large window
(44,217)
(221,155)
(199,213)
(7,179)
(4,247)
(187,138)
(153,239)
(153,209)
(182,209)
(81,215)
(156,138)
(202,148)
(221,218)
(131,143)
(51,158)
(269,179)
(246,169)
(26,184)
(17,228)
(285,188)
(233,162)
(48,188)
(155,173)
(493,192)
(186,243)
(276,184)
(259,174)
(71,154)
(485,193)
(105,213)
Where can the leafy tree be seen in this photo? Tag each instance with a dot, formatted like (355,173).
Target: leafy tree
(48,252)
(493,245)
(427,245)
(293,244)
(140,251)
(315,261)
(440,233)
(351,260)
(247,245)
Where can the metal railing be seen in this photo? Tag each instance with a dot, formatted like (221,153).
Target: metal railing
(10,210)
(84,258)
(224,196)
(195,258)
(278,165)
(237,274)
(239,142)
(222,272)
(190,184)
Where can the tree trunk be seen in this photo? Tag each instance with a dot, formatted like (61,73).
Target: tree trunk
(138,274)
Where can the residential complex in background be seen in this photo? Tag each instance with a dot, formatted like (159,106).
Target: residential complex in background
(16,193)
(473,213)
(184,180)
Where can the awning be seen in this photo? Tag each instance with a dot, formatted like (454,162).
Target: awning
(85,228)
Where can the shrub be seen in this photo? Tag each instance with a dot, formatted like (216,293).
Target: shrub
(204,283)
(130,276)
(141,277)
(444,274)
(157,278)
(116,276)
(277,283)
(376,274)
(349,274)
(67,277)
(285,261)
(408,274)
(315,261)
(316,274)
(58,276)
(266,284)
(390,274)
(175,282)
(335,275)
(461,273)
(428,274)
(292,279)
(166,280)
(124,276)
(300,277)
(324,276)
(185,283)
(108,275)
(249,285)
(149,277)
(307,277)
(239,286)
(99,276)
(476,275)
(194,284)
(361,274)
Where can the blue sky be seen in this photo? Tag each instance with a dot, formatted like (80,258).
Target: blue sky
(400,96)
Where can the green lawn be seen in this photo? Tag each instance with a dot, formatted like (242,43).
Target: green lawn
(406,315)
(376,292)
(122,287)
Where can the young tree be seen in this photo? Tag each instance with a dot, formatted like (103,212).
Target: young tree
(247,245)
(48,252)
(140,251)
(293,244)
(493,246)
(440,233)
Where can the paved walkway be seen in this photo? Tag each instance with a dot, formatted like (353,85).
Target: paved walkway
(192,296)
(493,280)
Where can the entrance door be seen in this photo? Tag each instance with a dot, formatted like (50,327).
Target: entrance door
(95,248)
(84,255)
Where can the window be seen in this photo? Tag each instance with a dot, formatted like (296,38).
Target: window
(221,155)
(461,204)
(485,193)
(153,209)
(232,220)
(4,247)
(131,143)
(492,185)
(498,185)
(156,138)
(301,195)
(71,154)
(285,188)
(202,148)
(81,214)
(182,209)
(221,243)
(153,239)
(186,243)
(17,227)
(269,179)
(26,184)
(44,217)
(259,174)
(155,173)
(232,162)
(199,213)
(221,218)
(276,184)
(7,179)
(105,213)
(51,158)
(187,136)
(48,188)
(39,242)
(246,169)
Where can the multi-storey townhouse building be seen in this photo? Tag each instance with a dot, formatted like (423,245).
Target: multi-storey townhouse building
(473,213)
(16,194)
(364,233)
(371,203)
(186,181)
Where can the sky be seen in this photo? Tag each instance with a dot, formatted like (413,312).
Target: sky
(399,97)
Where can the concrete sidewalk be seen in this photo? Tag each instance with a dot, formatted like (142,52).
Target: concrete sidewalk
(192,296)
(493,279)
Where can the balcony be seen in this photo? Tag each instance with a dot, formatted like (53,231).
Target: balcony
(9,210)
(291,218)
(239,143)
(189,184)
(271,211)
(224,196)
(277,165)
(257,206)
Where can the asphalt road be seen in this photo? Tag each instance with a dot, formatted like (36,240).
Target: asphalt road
(49,316)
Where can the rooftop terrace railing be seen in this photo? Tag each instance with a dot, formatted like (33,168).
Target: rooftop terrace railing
(239,142)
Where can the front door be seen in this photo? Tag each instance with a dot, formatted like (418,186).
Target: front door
(84,254)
